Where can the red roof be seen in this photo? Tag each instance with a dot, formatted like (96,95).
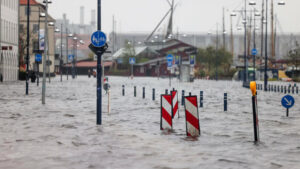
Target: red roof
(89,64)
(32,2)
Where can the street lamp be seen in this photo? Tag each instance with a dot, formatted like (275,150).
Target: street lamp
(266,44)
(46,51)
(231,33)
(69,35)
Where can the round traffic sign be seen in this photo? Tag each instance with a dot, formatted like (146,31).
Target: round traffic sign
(254,51)
(38,57)
(288,101)
(98,39)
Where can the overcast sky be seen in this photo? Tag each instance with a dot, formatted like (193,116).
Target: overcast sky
(190,15)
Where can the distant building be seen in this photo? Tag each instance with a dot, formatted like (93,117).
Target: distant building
(9,16)
(37,29)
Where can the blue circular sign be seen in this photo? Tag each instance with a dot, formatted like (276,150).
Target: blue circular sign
(38,57)
(288,101)
(254,51)
(98,39)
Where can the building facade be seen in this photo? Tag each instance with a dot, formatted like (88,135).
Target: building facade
(37,35)
(9,16)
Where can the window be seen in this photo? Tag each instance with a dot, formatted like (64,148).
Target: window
(35,46)
(26,10)
(35,28)
(21,28)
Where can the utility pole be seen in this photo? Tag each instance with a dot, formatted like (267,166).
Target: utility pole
(45,55)
(231,37)
(245,47)
(262,28)
(272,30)
(217,48)
(254,47)
(61,56)
(67,52)
(224,31)
(266,50)
(28,41)
(99,73)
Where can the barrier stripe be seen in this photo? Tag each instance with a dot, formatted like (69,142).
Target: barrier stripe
(174,103)
(191,108)
(166,112)
(192,116)
(192,120)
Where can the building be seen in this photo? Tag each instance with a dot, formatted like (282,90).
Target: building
(9,16)
(37,34)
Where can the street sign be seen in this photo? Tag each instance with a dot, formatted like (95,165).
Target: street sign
(71,57)
(192,59)
(170,60)
(254,52)
(98,39)
(288,101)
(131,61)
(38,57)
(177,60)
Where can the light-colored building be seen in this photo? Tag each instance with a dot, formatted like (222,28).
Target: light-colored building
(9,16)
(37,29)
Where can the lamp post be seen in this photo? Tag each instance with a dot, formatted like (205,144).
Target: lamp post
(61,47)
(67,39)
(74,53)
(231,34)
(46,52)
(27,55)
(266,45)
(50,24)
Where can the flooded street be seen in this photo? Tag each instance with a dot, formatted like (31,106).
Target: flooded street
(63,133)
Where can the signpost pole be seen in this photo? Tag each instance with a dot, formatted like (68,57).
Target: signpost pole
(287,112)
(99,74)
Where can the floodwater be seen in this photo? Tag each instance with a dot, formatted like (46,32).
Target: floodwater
(63,133)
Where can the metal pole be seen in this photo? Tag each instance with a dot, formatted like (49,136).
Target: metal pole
(67,52)
(38,64)
(266,49)
(254,46)
(245,46)
(217,46)
(45,55)
(61,45)
(99,74)
(27,56)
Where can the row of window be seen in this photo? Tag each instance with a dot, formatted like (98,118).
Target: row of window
(9,31)
(12,4)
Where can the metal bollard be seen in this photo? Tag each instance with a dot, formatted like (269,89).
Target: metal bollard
(143,92)
(275,88)
(297,89)
(153,94)
(123,90)
(281,89)
(225,101)
(293,90)
(289,89)
(182,98)
(190,94)
(284,89)
(201,98)
(167,91)
(134,91)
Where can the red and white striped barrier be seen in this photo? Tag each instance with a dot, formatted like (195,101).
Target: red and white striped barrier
(192,116)
(166,112)
(175,109)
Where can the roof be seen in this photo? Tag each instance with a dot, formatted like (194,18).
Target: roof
(32,2)
(92,64)
(138,50)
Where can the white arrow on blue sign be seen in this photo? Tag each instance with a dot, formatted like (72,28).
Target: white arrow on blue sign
(254,51)
(170,60)
(288,101)
(98,39)
(131,61)
(38,57)
(71,57)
